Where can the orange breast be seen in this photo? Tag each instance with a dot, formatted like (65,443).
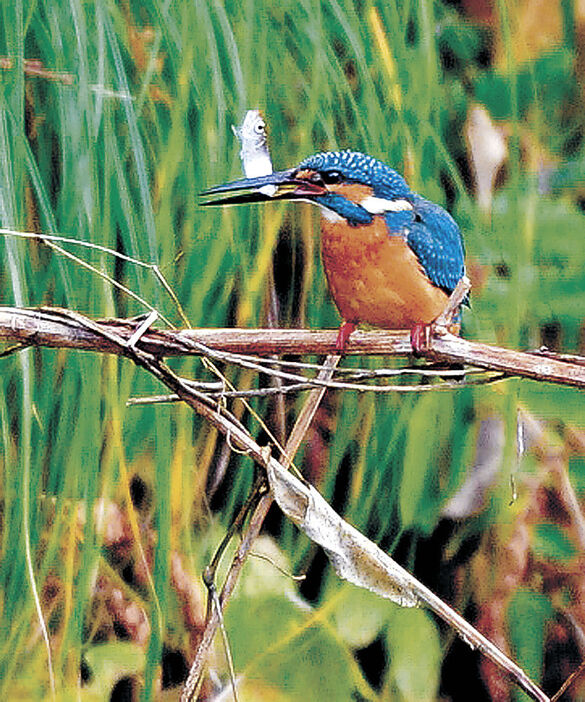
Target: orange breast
(376,278)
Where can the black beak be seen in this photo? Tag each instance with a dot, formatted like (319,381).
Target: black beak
(281,185)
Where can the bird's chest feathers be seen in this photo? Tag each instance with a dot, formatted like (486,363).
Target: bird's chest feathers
(353,251)
(375,277)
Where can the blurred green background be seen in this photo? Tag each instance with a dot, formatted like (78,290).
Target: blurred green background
(113,117)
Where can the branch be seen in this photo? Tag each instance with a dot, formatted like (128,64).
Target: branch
(358,560)
(292,445)
(58,328)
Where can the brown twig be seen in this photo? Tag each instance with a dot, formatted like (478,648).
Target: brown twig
(568,682)
(34,67)
(58,329)
(222,420)
(49,327)
(294,441)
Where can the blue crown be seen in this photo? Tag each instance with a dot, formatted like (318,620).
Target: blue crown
(361,168)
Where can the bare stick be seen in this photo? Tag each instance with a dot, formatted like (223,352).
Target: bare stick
(309,409)
(568,682)
(453,303)
(59,329)
(296,436)
(225,422)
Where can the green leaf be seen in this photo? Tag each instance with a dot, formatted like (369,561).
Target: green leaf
(429,423)
(415,655)
(577,474)
(277,644)
(359,615)
(551,543)
(109,662)
(528,617)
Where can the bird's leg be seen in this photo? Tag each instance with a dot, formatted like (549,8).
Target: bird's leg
(420,338)
(420,334)
(343,335)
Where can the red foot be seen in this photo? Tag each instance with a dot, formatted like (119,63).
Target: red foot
(420,338)
(343,335)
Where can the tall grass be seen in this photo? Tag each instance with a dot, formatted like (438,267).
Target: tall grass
(111,143)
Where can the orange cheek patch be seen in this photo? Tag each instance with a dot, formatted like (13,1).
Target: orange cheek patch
(355,192)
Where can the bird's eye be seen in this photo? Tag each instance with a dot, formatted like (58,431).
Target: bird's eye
(259,128)
(316,178)
(332,177)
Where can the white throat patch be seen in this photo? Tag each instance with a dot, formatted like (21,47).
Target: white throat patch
(380,205)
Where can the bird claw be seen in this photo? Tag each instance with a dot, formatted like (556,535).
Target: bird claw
(420,338)
(421,335)
(345,331)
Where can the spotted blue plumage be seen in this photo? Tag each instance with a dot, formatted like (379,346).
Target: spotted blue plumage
(429,230)
(435,238)
(360,168)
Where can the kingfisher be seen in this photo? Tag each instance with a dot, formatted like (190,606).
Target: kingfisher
(391,257)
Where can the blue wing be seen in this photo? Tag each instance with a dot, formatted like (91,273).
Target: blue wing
(435,238)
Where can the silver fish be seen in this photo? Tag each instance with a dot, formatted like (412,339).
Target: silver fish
(254,153)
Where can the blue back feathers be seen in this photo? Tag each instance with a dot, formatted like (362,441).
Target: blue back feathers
(435,238)
(429,230)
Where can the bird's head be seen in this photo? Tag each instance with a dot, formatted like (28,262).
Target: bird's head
(346,184)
